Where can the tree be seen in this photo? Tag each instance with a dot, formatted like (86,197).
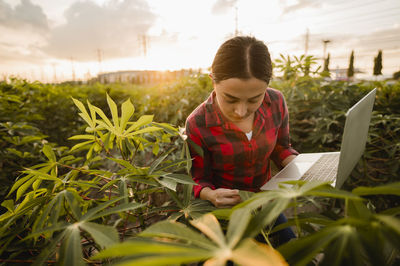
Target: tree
(396,75)
(325,72)
(350,70)
(378,64)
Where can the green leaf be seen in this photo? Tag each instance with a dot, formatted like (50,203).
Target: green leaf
(114,113)
(103,235)
(48,151)
(71,249)
(71,198)
(143,131)
(91,212)
(9,205)
(358,210)
(168,183)
(39,223)
(80,145)
(42,175)
(49,230)
(180,178)
(24,187)
(392,222)
(198,149)
(91,137)
(127,111)
(122,162)
(303,250)
(18,183)
(178,231)
(84,113)
(330,192)
(387,189)
(251,253)
(156,162)
(154,252)
(209,225)
(130,206)
(238,222)
(48,250)
(142,121)
(107,123)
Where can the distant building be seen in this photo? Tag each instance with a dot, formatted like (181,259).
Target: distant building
(341,73)
(141,76)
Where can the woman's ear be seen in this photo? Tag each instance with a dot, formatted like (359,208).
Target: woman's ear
(212,79)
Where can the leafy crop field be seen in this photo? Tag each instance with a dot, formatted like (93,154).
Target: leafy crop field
(97,174)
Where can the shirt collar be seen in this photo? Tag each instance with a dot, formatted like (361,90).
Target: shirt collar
(213,113)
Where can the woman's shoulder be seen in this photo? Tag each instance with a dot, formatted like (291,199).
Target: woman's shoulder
(274,94)
(197,116)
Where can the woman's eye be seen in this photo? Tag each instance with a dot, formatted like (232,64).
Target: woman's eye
(253,101)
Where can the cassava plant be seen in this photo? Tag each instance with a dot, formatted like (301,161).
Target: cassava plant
(68,208)
(351,235)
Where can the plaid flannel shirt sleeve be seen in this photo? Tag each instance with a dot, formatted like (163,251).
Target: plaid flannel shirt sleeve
(283,148)
(201,169)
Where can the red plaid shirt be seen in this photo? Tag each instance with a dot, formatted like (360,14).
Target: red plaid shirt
(228,159)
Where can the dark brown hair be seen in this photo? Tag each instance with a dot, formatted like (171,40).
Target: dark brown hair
(242,57)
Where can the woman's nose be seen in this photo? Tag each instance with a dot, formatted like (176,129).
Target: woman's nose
(241,110)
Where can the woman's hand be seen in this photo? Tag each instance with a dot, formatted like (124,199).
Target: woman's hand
(221,197)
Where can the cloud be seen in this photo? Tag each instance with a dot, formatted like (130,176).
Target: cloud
(114,28)
(301,4)
(24,15)
(222,6)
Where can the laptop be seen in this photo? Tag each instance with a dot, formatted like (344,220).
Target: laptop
(334,167)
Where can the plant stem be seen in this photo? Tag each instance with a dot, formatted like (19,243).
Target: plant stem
(296,218)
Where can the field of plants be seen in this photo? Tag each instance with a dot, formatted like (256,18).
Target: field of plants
(100,174)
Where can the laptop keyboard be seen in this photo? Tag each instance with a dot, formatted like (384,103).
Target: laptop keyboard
(324,169)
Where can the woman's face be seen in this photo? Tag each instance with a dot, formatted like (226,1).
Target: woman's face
(239,99)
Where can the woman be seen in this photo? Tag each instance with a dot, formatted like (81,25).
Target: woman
(241,127)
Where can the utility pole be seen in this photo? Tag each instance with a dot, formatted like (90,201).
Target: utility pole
(99,59)
(236,22)
(54,73)
(325,44)
(143,42)
(306,43)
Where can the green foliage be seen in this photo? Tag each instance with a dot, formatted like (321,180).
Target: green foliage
(120,172)
(72,206)
(350,70)
(378,64)
(325,71)
(293,67)
(317,114)
(357,235)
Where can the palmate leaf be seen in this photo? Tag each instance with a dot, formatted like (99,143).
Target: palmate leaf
(303,250)
(175,243)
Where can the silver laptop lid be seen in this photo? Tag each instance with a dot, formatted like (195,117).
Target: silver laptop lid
(354,136)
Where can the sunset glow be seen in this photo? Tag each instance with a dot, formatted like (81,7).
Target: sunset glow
(52,41)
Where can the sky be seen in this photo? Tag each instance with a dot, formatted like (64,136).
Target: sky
(54,41)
